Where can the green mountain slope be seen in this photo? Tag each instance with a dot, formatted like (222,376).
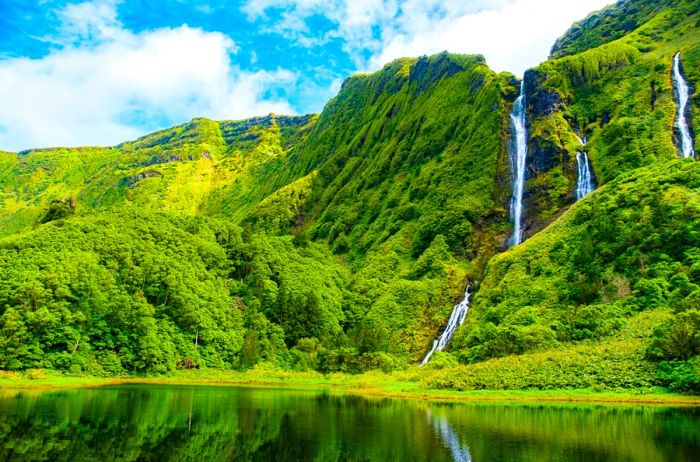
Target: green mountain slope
(181,169)
(608,24)
(630,246)
(341,241)
(618,96)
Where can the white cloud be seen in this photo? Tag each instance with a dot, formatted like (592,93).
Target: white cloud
(104,84)
(89,21)
(355,21)
(124,84)
(512,34)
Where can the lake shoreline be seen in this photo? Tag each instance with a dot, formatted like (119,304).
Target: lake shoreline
(370,385)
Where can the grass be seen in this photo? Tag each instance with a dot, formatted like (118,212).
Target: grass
(403,385)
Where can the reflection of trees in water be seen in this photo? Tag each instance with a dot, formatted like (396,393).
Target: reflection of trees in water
(576,432)
(190,423)
(126,425)
(210,423)
(460,452)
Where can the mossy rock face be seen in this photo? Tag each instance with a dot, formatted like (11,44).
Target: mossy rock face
(58,210)
(610,83)
(540,101)
(610,23)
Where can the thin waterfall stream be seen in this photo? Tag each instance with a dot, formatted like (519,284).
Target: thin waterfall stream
(518,118)
(683,94)
(584,183)
(459,314)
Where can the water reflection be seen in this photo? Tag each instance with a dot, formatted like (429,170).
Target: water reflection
(224,424)
(460,452)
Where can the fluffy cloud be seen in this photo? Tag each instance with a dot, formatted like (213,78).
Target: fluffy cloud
(356,21)
(512,34)
(103,84)
(123,84)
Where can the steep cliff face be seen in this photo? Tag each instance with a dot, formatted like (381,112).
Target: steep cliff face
(615,90)
(414,149)
(403,170)
(340,241)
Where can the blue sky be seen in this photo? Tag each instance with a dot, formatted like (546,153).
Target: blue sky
(100,72)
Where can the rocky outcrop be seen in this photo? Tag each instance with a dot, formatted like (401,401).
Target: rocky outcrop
(540,101)
(542,157)
(133,179)
(155,160)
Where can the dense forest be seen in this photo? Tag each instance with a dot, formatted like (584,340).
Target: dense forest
(340,242)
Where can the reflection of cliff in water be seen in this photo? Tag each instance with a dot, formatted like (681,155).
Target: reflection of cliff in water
(185,423)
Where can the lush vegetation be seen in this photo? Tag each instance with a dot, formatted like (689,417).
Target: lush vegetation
(612,89)
(339,242)
(608,24)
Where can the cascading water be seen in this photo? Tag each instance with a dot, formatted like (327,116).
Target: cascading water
(682,92)
(459,314)
(517,159)
(584,183)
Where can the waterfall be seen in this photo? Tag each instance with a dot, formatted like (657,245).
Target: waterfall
(584,183)
(682,92)
(517,160)
(460,452)
(459,313)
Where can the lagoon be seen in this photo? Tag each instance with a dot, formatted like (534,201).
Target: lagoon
(225,423)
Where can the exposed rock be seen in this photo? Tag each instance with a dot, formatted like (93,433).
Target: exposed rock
(540,101)
(133,179)
(542,157)
(155,160)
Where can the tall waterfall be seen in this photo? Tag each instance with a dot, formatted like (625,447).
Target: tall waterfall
(682,92)
(517,160)
(459,314)
(584,183)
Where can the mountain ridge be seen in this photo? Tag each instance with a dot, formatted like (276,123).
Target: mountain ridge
(340,241)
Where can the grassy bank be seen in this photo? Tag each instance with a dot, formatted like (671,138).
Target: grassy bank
(396,385)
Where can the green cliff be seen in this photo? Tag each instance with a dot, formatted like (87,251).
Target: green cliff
(341,241)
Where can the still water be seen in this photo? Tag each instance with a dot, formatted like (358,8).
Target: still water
(183,423)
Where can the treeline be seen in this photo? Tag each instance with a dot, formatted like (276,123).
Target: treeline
(115,293)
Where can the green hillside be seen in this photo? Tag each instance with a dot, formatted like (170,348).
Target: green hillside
(341,241)
(618,96)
